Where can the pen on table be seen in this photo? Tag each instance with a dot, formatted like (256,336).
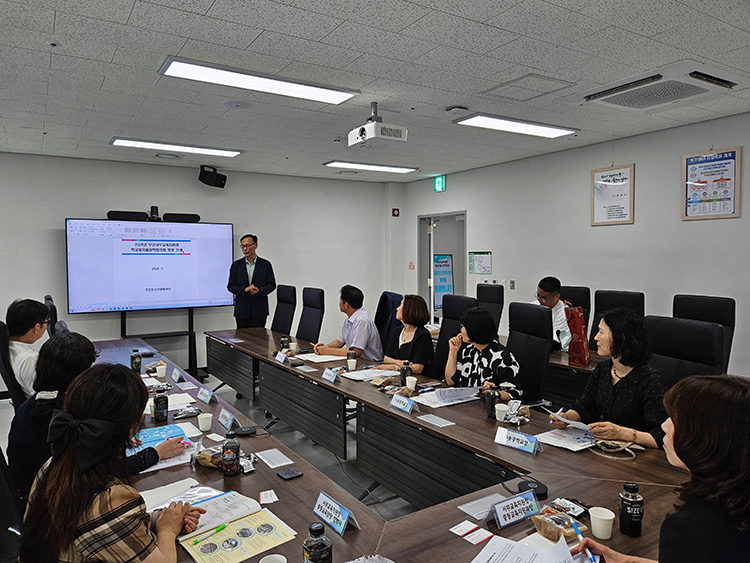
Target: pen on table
(580,538)
(426,389)
(370,367)
(209,534)
(556,414)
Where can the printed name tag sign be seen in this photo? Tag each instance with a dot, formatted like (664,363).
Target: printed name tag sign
(404,403)
(515,509)
(176,375)
(205,395)
(334,514)
(517,440)
(280,357)
(330,375)
(226,419)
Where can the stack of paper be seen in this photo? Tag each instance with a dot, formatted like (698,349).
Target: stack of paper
(318,358)
(569,438)
(448,396)
(368,374)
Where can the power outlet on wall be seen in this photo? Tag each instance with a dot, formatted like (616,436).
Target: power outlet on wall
(512,284)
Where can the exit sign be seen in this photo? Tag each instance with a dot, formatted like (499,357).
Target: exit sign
(439,183)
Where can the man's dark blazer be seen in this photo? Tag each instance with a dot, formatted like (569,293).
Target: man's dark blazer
(245,304)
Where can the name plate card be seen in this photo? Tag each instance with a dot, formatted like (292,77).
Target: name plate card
(280,357)
(515,509)
(330,375)
(334,514)
(226,419)
(404,403)
(517,440)
(205,395)
(176,375)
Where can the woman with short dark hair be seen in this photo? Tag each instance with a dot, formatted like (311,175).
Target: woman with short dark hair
(81,506)
(411,342)
(707,434)
(623,396)
(476,358)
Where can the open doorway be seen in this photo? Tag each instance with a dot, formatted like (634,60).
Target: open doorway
(441,234)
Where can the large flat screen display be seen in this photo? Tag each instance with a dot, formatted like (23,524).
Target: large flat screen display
(133,265)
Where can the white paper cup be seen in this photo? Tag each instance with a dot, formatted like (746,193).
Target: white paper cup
(601,522)
(351,365)
(292,346)
(501,409)
(273,558)
(161,372)
(411,382)
(204,421)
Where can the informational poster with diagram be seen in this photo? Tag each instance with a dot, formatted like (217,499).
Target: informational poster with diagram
(612,195)
(442,275)
(480,262)
(711,185)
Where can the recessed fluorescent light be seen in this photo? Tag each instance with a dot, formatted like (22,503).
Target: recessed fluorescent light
(213,74)
(138,144)
(498,123)
(371,167)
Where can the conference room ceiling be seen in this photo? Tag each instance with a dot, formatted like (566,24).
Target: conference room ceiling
(76,73)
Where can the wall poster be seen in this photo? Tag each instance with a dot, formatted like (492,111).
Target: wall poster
(480,262)
(442,274)
(711,184)
(612,195)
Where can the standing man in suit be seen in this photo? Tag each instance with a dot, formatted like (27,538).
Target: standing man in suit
(251,280)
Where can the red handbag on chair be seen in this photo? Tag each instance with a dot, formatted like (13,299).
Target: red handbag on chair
(578,350)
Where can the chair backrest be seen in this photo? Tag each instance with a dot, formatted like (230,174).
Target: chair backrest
(313,307)
(491,296)
(385,316)
(17,396)
(578,296)
(286,304)
(453,308)
(684,347)
(605,300)
(52,324)
(17,503)
(720,310)
(530,342)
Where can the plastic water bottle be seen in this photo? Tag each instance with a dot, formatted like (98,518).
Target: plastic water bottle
(135,361)
(230,455)
(317,547)
(161,405)
(631,510)
(405,372)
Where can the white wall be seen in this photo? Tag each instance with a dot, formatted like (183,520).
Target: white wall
(318,233)
(534,215)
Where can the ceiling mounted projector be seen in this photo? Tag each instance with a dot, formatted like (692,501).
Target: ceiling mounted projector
(376,133)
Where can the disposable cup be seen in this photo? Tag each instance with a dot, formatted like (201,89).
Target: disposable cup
(292,346)
(161,372)
(501,409)
(204,421)
(351,365)
(601,522)
(411,382)
(273,558)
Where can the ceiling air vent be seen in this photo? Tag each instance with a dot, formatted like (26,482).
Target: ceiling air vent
(678,84)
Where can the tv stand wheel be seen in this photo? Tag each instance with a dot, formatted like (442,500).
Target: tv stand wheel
(238,396)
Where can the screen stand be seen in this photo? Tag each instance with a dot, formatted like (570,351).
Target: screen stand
(190,333)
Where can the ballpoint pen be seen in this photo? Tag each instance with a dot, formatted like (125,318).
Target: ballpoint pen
(580,538)
(554,414)
(426,389)
(209,534)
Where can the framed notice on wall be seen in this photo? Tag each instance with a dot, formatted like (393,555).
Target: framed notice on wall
(612,195)
(480,262)
(711,185)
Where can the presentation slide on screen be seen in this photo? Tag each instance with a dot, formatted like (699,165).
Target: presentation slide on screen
(128,265)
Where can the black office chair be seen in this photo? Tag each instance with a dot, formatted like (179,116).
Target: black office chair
(453,308)
(684,347)
(14,516)
(605,300)
(17,396)
(719,310)
(385,316)
(530,342)
(578,296)
(286,304)
(492,297)
(313,307)
(54,326)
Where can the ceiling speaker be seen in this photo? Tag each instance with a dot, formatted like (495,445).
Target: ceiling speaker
(209,176)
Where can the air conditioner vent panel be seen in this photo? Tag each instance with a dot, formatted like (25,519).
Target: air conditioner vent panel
(655,94)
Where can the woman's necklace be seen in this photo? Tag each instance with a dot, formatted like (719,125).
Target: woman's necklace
(614,372)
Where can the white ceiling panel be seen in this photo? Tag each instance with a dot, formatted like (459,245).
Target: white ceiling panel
(460,33)
(110,10)
(392,15)
(477,10)
(194,6)
(305,50)
(662,15)
(378,42)
(20,15)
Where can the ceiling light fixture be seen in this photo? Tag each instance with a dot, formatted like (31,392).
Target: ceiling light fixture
(140,144)
(370,167)
(487,121)
(214,74)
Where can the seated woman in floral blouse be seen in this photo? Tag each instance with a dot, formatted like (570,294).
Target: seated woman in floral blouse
(476,358)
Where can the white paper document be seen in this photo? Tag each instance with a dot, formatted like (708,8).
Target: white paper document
(502,550)
(176,402)
(273,458)
(435,420)
(185,385)
(190,430)
(182,459)
(319,358)
(160,495)
(569,438)
(448,396)
(368,374)
(482,507)
(573,423)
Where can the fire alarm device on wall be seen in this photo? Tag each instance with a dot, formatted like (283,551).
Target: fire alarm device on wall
(395,212)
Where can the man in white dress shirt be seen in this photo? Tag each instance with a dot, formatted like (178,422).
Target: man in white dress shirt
(27,320)
(548,295)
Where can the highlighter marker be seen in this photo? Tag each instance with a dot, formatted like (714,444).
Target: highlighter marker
(580,538)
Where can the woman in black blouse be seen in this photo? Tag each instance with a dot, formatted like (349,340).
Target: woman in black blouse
(476,358)
(411,342)
(623,396)
(707,434)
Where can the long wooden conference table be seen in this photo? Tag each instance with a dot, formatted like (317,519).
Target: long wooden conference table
(410,457)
